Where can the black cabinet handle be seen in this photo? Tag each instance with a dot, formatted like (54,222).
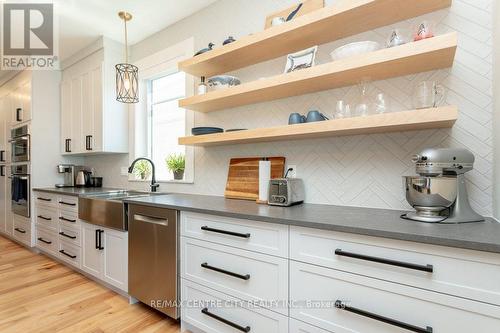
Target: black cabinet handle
(100,240)
(44,218)
(225,232)
(44,241)
(225,321)
(424,268)
(342,306)
(2,155)
(97,239)
(20,230)
(67,220)
(68,146)
(220,270)
(67,254)
(18,114)
(68,236)
(2,170)
(88,142)
(44,199)
(67,203)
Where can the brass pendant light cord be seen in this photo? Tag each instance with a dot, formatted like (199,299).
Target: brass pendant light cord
(126,42)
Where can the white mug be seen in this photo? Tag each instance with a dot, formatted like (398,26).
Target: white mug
(277,21)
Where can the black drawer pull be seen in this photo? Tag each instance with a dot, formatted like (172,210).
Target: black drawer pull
(66,235)
(44,218)
(44,241)
(225,321)
(236,275)
(225,232)
(67,203)
(67,220)
(67,254)
(44,199)
(424,268)
(20,230)
(342,306)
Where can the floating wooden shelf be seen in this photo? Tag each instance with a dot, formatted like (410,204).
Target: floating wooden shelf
(442,117)
(429,54)
(347,18)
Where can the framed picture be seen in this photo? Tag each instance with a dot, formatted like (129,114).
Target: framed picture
(300,60)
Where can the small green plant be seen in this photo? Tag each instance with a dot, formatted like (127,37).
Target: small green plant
(176,163)
(142,170)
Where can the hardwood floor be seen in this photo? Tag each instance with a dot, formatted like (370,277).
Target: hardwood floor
(38,294)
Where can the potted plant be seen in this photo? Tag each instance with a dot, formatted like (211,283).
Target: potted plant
(142,170)
(176,163)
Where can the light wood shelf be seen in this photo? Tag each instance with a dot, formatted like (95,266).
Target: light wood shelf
(429,54)
(347,18)
(442,117)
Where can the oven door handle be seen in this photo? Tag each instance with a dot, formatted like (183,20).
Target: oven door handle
(20,177)
(24,138)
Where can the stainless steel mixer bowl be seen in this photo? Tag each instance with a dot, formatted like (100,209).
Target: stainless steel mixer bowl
(430,191)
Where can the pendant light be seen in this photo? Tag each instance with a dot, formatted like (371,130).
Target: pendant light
(127,75)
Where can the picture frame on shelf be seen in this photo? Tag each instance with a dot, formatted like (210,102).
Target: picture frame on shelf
(300,60)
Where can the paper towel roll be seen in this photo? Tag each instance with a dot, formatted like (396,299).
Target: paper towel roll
(264,177)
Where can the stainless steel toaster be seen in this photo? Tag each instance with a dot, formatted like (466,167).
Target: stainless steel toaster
(286,191)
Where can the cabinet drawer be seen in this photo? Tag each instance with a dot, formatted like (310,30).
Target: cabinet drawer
(226,308)
(70,234)
(463,273)
(247,275)
(45,199)
(68,203)
(68,218)
(256,236)
(47,217)
(46,239)
(69,253)
(300,327)
(22,230)
(379,299)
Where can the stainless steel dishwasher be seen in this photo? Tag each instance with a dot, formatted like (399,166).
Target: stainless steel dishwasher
(152,258)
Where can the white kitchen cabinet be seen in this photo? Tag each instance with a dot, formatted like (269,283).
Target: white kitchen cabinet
(92,121)
(115,258)
(20,110)
(92,258)
(3,198)
(105,254)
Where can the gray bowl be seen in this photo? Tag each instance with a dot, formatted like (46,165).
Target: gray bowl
(430,191)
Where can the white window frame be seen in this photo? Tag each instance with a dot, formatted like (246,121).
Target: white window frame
(154,66)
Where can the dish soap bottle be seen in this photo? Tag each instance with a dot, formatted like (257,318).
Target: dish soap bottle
(202,87)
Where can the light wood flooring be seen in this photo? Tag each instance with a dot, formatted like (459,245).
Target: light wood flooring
(38,294)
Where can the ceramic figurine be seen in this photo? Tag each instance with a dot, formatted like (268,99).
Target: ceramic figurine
(209,48)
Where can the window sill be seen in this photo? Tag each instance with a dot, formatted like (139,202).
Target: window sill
(163,181)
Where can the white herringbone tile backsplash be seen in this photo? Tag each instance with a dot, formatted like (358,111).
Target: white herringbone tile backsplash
(361,170)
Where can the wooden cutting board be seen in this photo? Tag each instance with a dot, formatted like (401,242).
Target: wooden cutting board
(243,176)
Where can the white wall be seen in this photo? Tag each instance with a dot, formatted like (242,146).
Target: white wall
(496,113)
(357,170)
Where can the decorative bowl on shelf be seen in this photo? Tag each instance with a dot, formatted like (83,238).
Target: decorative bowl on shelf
(223,81)
(353,49)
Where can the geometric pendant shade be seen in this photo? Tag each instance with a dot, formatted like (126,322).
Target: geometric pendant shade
(127,83)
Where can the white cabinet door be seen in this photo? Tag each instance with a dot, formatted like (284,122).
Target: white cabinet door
(92,258)
(87,111)
(25,97)
(66,117)
(115,270)
(96,140)
(77,144)
(9,217)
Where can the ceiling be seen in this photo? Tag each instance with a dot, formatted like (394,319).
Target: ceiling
(81,22)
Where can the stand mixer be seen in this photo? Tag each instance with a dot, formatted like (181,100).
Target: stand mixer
(438,194)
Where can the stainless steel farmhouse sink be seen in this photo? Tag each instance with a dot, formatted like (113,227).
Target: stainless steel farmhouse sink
(107,209)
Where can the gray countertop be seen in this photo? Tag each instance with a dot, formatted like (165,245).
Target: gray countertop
(484,236)
(76,191)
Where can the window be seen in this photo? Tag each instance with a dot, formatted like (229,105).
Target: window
(167,122)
